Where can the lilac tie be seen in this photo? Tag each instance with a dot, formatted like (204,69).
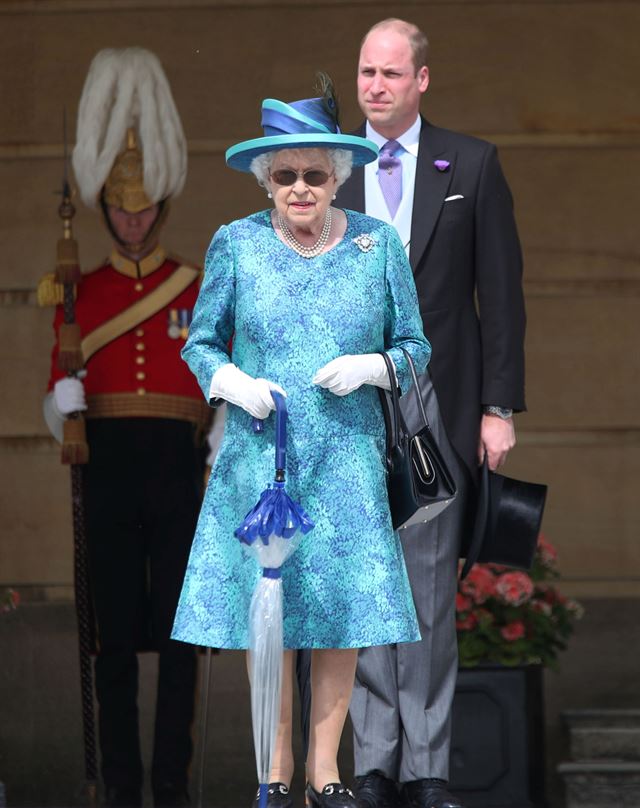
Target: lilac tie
(390,175)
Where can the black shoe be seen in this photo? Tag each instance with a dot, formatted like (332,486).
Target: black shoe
(277,797)
(121,797)
(374,790)
(333,795)
(171,796)
(429,793)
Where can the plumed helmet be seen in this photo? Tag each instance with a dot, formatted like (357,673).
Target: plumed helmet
(129,137)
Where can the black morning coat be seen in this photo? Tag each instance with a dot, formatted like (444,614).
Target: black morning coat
(467,265)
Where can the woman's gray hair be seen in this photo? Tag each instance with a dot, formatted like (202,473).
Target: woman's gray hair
(341,160)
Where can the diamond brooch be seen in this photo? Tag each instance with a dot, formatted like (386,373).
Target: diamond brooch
(365,242)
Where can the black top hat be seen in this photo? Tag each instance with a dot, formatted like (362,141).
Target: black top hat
(507,522)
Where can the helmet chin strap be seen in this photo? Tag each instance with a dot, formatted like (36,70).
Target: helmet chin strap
(148,243)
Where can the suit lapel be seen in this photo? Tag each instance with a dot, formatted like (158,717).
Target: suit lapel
(351,194)
(431,188)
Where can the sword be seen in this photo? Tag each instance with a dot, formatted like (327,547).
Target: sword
(75,453)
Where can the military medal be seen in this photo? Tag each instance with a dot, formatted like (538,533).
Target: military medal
(179,322)
(185,316)
(173,326)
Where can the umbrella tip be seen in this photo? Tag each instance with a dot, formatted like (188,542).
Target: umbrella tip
(263,794)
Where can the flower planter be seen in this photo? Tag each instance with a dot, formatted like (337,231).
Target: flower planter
(497,745)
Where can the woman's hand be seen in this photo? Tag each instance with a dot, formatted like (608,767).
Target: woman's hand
(237,387)
(346,373)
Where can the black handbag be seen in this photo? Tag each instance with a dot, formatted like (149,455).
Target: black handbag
(419,483)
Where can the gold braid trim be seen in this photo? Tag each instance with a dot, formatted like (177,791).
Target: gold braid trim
(149,405)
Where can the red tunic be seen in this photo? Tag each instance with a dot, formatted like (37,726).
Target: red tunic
(141,372)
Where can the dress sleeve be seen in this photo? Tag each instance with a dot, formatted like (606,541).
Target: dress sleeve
(207,346)
(403,323)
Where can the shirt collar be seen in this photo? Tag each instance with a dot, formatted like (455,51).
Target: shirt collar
(409,140)
(147,265)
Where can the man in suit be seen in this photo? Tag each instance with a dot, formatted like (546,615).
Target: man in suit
(453,210)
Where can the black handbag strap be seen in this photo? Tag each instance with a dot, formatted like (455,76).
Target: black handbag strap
(416,386)
(393,429)
(394,446)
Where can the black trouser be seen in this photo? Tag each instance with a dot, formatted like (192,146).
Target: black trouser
(142,496)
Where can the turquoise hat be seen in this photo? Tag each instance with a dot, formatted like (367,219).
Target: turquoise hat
(305,124)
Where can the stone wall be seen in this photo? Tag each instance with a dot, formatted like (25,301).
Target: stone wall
(554,85)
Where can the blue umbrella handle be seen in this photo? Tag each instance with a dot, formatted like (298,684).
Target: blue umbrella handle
(281,432)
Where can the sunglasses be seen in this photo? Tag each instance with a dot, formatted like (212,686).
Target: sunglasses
(313,177)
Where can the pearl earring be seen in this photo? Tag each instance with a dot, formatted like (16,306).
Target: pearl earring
(334,196)
(269,195)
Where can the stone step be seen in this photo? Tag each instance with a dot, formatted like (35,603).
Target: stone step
(599,784)
(602,743)
(604,734)
(627,718)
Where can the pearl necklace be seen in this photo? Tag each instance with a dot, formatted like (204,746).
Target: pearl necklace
(306,252)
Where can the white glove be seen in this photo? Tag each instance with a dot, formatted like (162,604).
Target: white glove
(346,373)
(237,387)
(68,396)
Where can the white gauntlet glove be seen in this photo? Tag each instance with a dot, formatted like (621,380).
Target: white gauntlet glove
(237,387)
(68,396)
(346,373)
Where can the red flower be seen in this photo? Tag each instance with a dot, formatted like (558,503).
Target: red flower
(515,588)
(11,601)
(469,622)
(463,603)
(548,553)
(479,584)
(551,595)
(513,618)
(513,631)
(542,607)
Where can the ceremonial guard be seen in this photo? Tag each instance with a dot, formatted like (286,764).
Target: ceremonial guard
(145,416)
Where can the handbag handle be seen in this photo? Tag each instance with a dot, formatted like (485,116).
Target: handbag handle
(393,430)
(416,386)
(394,446)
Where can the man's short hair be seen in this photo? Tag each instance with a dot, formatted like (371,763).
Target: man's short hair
(418,41)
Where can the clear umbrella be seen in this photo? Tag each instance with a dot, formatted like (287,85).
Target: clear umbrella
(271,530)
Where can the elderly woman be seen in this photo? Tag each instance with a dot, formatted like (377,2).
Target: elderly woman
(311,295)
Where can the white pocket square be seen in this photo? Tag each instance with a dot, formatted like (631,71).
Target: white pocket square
(455,196)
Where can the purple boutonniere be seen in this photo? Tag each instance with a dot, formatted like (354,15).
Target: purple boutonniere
(441,165)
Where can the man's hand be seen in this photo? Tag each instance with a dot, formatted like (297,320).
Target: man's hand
(68,396)
(497,438)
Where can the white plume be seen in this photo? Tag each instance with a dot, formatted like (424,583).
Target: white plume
(127,87)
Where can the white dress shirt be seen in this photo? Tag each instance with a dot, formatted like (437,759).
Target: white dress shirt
(374,201)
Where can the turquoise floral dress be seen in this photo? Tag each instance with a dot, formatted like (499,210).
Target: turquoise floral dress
(346,585)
